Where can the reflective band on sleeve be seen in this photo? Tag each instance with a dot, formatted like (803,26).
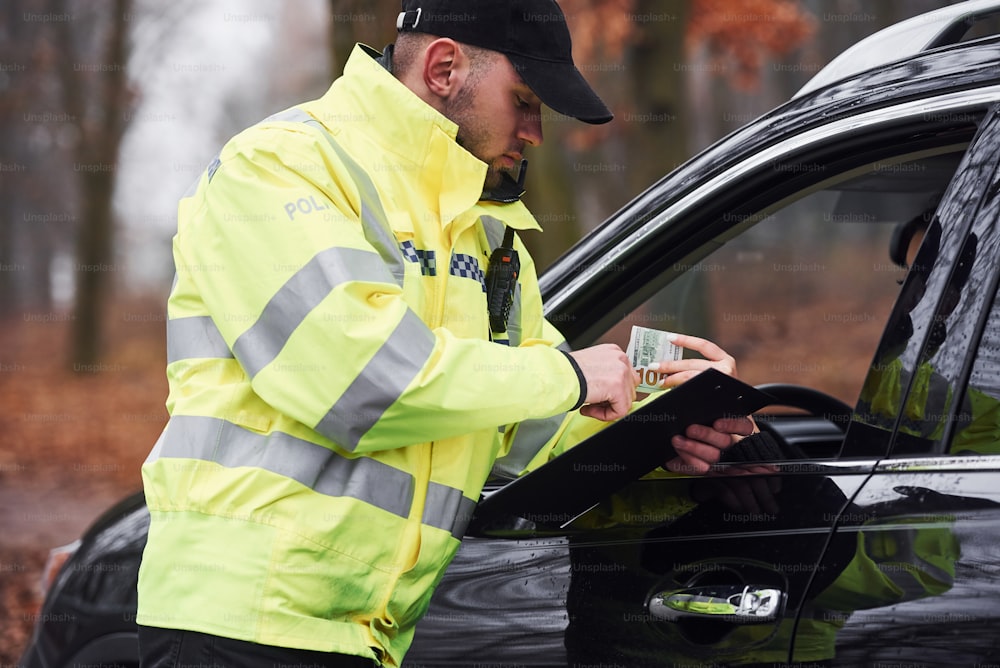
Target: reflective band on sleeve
(380,383)
(258,346)
(447,508)
(374,222)
(531,435)
(321,469)
(373,218)
(193,337)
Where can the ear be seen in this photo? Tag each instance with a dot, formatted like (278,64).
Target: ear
(445,68)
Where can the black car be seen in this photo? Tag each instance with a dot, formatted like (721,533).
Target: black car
(870,533)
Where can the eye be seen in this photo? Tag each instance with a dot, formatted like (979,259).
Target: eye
(521,102)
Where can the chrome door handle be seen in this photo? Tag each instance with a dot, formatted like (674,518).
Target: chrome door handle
(736,604)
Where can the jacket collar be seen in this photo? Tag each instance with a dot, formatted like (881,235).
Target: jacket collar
(510,189)
(409,132)
(403,125)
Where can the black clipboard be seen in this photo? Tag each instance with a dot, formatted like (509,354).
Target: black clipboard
(576,480)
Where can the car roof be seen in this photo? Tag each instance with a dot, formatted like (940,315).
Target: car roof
(903,40)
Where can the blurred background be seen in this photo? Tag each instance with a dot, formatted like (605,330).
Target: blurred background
(110,109)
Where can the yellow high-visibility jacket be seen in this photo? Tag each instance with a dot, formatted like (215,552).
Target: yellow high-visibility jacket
(336,401)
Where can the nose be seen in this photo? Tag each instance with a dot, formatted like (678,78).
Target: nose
(530,128)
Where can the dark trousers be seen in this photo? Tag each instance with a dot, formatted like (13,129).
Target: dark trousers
(170,648)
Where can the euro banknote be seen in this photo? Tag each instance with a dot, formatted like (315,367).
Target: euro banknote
(646,346)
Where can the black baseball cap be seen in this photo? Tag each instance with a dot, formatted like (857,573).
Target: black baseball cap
(531,33)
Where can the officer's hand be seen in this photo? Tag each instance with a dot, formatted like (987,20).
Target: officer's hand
(610,381)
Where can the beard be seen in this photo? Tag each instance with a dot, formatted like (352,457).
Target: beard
(473,133)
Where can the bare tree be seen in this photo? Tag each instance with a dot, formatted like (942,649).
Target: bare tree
(27,198)
(89,65)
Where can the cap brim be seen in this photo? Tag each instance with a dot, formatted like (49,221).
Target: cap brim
(561,87)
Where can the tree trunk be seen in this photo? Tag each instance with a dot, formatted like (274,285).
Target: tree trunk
(371,22)
(95,264)
(658,130)
(102,124)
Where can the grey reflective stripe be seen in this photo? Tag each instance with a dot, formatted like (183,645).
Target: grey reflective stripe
(293,115)
(373,218)
(380,383)
(895,570)
(258,346)
(374,222)
(195,336)
(213,167)
(514,318)
(529,438)
(447,508)
(565,347)
(494,230)
(321,469)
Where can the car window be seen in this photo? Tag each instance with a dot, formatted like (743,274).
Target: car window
(928,390)
(800,292)
(977,423)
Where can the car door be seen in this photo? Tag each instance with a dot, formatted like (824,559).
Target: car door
(602,586)
(924,585)
(809,312)
(759,534)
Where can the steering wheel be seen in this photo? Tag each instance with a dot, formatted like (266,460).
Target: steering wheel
(812,401)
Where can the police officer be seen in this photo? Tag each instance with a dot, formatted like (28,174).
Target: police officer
(338,391)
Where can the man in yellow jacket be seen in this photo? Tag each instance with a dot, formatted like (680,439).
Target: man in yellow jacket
(338,396)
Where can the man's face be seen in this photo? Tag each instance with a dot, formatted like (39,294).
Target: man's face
(497,114)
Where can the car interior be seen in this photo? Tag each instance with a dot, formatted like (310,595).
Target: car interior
(792,316)
(803,318)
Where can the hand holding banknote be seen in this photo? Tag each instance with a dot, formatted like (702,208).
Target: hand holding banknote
(610,381)
(658,361)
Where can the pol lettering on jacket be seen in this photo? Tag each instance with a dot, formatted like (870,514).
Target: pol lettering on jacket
(304,205)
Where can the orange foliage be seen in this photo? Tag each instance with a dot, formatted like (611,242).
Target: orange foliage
(738,34)
(600,28)
(743,32)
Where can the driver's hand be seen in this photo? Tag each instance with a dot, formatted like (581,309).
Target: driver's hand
(701,446)
(713,357)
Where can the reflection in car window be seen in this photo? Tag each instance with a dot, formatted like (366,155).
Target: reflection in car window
(980,432)
(801,295)
(914,398)
(905,390)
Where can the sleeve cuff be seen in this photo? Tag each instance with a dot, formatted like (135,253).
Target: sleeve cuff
(582,379)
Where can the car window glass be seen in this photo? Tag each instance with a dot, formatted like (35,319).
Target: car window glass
(977,427)
(915,396)
(802,293)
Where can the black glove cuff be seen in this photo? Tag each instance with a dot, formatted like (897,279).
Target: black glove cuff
(759,447)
